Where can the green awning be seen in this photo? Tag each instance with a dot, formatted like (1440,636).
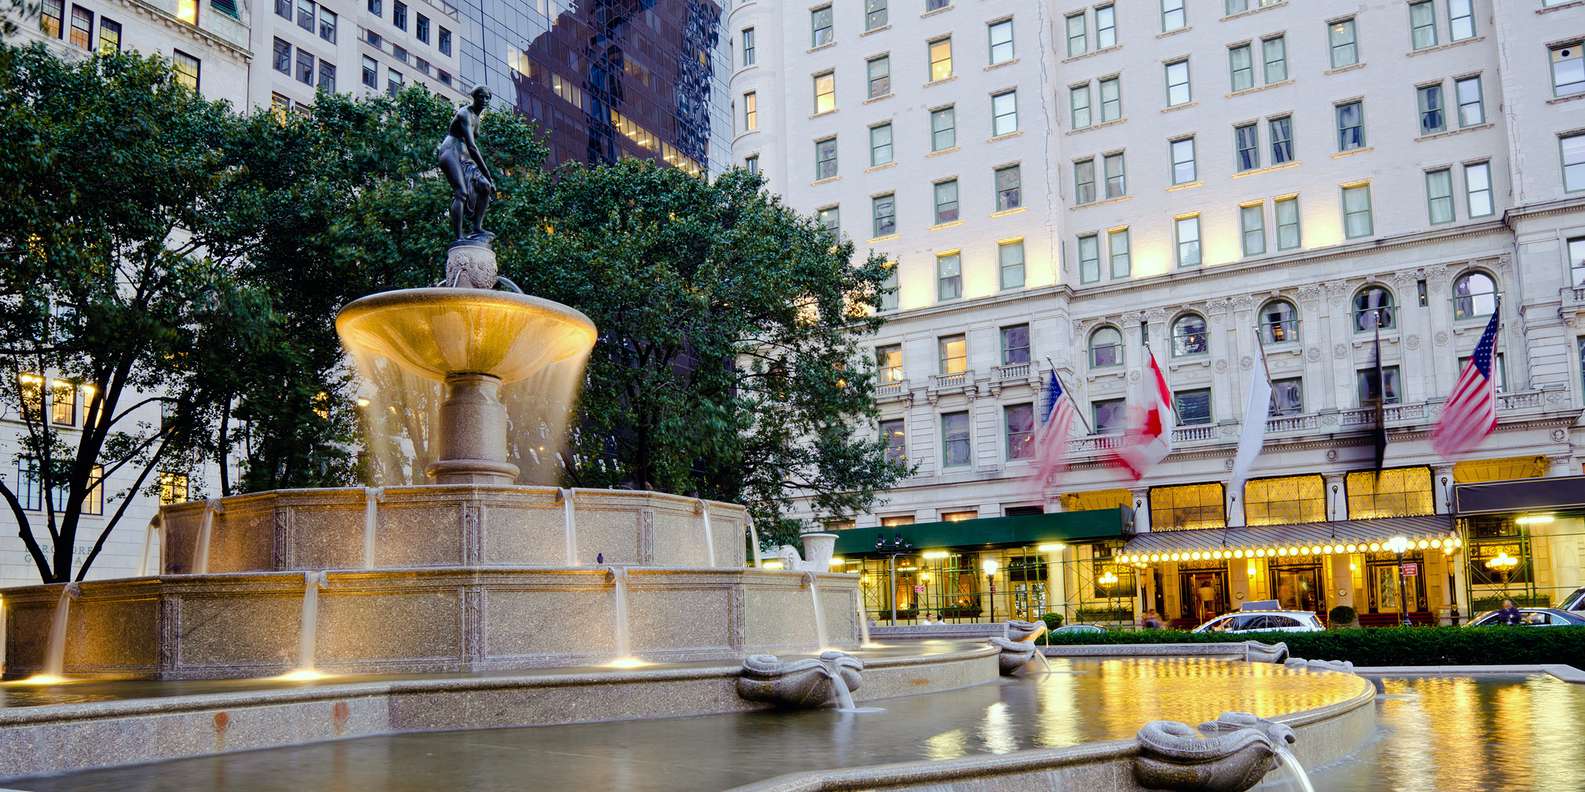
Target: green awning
(1032,529)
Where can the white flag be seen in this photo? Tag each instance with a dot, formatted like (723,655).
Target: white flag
(1252,438)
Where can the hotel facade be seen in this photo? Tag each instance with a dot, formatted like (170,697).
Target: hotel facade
(1066,185)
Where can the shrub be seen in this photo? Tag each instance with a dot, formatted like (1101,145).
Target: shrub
(1342,616)
(1390,646)
(1493,603)
(1083,615)
(1052,620)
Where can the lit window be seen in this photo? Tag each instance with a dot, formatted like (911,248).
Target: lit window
(750,111)
(1279,322)
(1010,260)
(1004,113)
(1474,296)
(1187,507)
(946,196)
(187,11)
(187,68)
(1477,187)
(1008,188)
(1439,195)
(1288,237)
(825,92)
(940,59)
(1001,34)
(1190,336)
(954,354)
(880,76)
(949,280)
(955,439)
(173,488)
(889,364)
(1079,105)
(1020,422)
(109,36)
(1393,492)
(1106,348)
(1422,21)
(63,403)
(1357,221)
(1345,49)
(1178,82)
(880,144)
(943,129)
(894,438)
(1183,170)
(1118,250)
(883,209)
(1285,501)
(82,34)
(52,17)
(1187,230)
(94,501)
(1252,223)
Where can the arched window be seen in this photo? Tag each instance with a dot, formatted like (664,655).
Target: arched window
(1279,322)
(1189,336)
(1106,347)
(1474,295)
(1373,307)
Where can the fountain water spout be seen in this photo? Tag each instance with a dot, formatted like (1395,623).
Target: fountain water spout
(206,527)
(753,540)
(819,613)
(148,542)
(569,526)
(709,538)
(622,633)
(371,521)
(55,659)
(308,634)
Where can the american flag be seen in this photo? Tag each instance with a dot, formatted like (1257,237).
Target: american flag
(1051,447)
(1471,412)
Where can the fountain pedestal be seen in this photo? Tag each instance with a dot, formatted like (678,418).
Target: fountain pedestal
(472,433)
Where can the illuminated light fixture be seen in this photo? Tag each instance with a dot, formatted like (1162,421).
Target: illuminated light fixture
(1422,544)
(990,565)
(1155,556)
(908,569)
(302,675)
(924,577)
(626,662)
(1502,562)
(30,379)
(362,402)
(1260,552)
(1536,519)
(1051,547)
(1329,549)
(1239,553)
(1177,556)
(934,555)
(1399,545)
(1107,578)
(1312,550)
(838,560)
(41,680)
(776,564)
(1375,547)
(1353,548)
(1457,542)
(1195,556)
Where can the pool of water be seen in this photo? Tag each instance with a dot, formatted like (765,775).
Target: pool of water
(1470,733)
(1080,701)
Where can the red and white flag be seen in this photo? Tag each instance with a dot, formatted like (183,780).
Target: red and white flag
(1051,446)
(1471,412)
(1150,421)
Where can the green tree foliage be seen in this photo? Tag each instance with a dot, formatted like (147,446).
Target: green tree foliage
(109,184)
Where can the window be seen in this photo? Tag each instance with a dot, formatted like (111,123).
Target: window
(751,163)
(1350,126)
(1001,34)
(1431,116)
(1242,67)
(1105,27)
(831,218)
(940,59)
(1471,110)
(283,9)
(954,353)
(894,439)
(371,72)
(955,439)
(883,209)
(1015,344)
(1345,49)
(421,28)
(327,77)
(1008,192)
(109,36)
(1178,82)
(946,194)
(936,5)
(1192,406)
(889,364)
(1275,52)
(1357,220)
(1183,170)
(1004,113)
(876,14)
(375,7)
(1187,230)
(305,15)
(283,56)
(443,42)
(393,81)
(1077,43)
(1281,131)
(821,31)
(1252,222)
(880,144)
(63,403)
(879,70)
(399,15)
(1573,147)
(1117,243)
(825,158)
(1477,189)
(305,67)
(750,111)
(1079,105)
(1010,260)
(82,34)
(1279,322)
(1106,347)
(327,25)
(825,92)
(1116,178)
(30,488)
(1439,195)
(1460,20)
(1499,375)
(1287,396)
(1189,336)
(1474,296)
(94,501)
(889,287)
(1111,415)
(748,47)
(1370,390)
(1111,99)
(1172,16)
(1422,22)
(187,69)
(1285,501)
(1373,306)
(187,11)
(1089,258)
(1246,144)
(52,16)
(1020,422)
(943,129)
(1394,492)
(1084,181)
(949,279)
(1568,69)
(173,488)
(1287,223)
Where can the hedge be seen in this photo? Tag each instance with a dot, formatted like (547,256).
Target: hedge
(1389,646)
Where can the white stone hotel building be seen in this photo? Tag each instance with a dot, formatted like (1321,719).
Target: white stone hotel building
(1061,183)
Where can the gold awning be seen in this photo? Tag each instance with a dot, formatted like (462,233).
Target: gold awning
(1434,532)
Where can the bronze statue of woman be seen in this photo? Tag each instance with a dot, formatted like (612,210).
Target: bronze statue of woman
(472,185)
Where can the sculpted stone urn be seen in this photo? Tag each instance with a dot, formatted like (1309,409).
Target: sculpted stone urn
(1230,754)
(799,684)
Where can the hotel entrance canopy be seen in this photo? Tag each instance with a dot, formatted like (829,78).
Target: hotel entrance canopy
(1032,529)
(1266,541)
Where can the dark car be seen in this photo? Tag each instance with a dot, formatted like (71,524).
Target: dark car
(1535,617)
(1574,602)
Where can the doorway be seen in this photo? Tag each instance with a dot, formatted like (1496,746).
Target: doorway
(1203,593)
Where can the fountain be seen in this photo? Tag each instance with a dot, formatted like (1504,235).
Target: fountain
(371,522)
(818,612)
(308,629)
(200,562)
(55,660)
(709,540)
(148,544)
(570,527)
(622,629)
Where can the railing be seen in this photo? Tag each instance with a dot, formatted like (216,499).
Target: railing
(1189,434)
(1522,400)
(1011,371)
(1292,423)
(892,390)
(958,380)
(1092,443)
(1392,413)
(1573,296)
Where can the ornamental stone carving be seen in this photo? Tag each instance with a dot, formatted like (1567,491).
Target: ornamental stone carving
(1221,366)
(1014,654)
(1156,315)
(1314,354)
(1133,376)
(1230,754)
(1441,338)
(1246,362)
(1331,453)
(1412,342)
(804,684)
(1340,351)
(1309,292)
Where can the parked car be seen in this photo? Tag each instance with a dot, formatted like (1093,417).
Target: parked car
(1574,602)
(1079,628)
(1534,617)
(1262,621)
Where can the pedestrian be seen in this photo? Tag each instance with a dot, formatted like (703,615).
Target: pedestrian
(1509,615)
(1152,620)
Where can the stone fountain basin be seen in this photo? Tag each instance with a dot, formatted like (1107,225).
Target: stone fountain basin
(452,525)
(422,620)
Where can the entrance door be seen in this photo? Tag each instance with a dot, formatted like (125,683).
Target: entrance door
(1385,594)
(1298,588)
(1203,593)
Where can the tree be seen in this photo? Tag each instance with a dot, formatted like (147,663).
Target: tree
(109,291)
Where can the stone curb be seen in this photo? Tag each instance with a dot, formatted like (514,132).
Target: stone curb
(1567,673)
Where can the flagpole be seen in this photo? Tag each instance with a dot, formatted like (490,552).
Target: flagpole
(1069,391)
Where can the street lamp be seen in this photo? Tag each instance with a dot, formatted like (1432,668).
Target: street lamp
(1400,545)
(1503,563)
(892,549)
(990,565)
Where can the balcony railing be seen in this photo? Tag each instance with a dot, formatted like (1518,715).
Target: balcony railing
(946,381)
(1093,443)
(892,390)
(1189,434)
(1573,296)
(1521,400)
(1011,371)
(1292,423)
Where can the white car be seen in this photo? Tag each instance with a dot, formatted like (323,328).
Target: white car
(1262,621)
